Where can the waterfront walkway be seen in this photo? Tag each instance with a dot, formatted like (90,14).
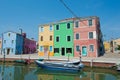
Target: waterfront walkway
(107,58)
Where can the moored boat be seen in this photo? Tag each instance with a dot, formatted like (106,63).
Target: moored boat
(60,66)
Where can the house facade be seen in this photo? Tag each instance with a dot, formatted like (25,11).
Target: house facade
(12,43)
(63,38)
(87,37)
(107,46)
(29,45)
(46,40)
(72,37)
(115,45)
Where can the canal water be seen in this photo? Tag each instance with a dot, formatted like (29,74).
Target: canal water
(31,72)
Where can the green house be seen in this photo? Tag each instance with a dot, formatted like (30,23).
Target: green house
(63,38)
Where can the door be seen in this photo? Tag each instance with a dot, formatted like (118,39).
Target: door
(8,51)
(46,50)
(84,51)
(62,51)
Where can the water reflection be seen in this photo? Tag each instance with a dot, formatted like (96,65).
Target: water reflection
(17,72)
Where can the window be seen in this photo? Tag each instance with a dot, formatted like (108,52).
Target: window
(50,38)
(4,41)
(57,39)
(77,35)
(68,38)
(76,24)
(90,22)
(90,35)
(68,25)
(91,48)
(41,29)
(68,50)
(56,50)
(41,38)
(12,41)
(41,48)
(50,48)
(9,34)
(77,48)
(12,50)
(3,50)
(51,28)
(57,27)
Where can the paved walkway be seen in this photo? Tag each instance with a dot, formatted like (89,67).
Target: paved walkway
(107,58)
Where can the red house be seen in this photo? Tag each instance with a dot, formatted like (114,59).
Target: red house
(29,45)
(88,37)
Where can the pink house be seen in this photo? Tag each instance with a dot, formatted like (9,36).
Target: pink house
(29,45)
(88,37)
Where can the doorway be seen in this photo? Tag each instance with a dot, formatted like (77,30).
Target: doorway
(8,51)
(84,51)
(46,50)
(63,51)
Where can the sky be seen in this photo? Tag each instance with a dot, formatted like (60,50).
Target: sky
(29,14)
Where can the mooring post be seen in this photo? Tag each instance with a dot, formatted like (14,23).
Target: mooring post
(91,63)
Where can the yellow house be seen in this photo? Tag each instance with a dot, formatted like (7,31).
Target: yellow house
(107,46)
(116,43)
(45,40)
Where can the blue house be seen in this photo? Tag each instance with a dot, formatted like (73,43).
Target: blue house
(12,43)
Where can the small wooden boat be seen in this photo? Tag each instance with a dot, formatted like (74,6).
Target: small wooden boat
(60,66)
(24,61)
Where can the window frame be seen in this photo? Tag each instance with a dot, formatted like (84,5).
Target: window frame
(69,51)
(51,28)
(41,29)
(91,50)
(57,50)
(41,38)
(58,27)
(58,39)
(41,48)
(77,48)
(51,37)
(90,36)
(77,24)
(90,22)
(51,48)
(67,38)
(76,36)
(68,26)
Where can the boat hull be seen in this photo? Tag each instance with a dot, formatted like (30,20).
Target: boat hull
(58,67)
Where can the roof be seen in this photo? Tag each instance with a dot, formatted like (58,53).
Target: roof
(12,32)
(70,19)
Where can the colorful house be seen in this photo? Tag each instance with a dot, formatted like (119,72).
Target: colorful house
(72,36)
(107,46)
(88,37)
(12,43)
(29,45)
(63,38)
(115,45)
(46,40)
